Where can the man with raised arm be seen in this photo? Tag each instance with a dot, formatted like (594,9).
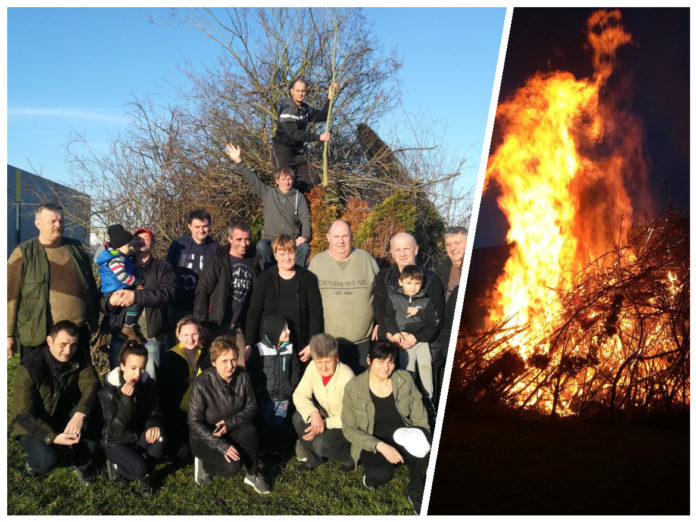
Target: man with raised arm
(285,210)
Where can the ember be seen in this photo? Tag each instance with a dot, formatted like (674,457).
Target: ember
(592,309)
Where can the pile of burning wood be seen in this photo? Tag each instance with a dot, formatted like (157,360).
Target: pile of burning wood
(621,344)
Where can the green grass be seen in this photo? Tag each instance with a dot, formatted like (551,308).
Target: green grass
(324,491)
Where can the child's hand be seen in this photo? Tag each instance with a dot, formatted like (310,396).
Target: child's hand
(411,311)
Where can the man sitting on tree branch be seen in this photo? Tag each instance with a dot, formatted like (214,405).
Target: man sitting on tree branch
(292,132)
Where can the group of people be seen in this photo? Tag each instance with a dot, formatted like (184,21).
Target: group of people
(218,350)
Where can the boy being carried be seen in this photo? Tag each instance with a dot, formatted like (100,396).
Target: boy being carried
(117,272)
(410,310)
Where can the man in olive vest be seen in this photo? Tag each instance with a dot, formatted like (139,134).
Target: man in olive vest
(49,279)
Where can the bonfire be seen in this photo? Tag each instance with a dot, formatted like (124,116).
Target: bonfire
(591,310)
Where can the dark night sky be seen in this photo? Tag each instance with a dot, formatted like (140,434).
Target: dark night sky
(651,76)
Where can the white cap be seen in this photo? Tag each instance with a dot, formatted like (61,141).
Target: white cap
(413,440)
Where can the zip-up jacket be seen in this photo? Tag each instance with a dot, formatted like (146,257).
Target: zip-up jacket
(270,369)
(175,377)
(387,282)
(213,287)
(212,400)
(125,418)
(43,400)
(159,287)
(358,412)
(116,270)
(292,130)
(424,324)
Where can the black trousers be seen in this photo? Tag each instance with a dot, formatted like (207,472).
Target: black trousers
(129,457)
(244,438)
(380,471)
(43,457)
(330,445)
(305,176)
(176,443)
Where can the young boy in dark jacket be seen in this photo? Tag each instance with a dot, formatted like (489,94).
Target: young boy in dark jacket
(410,310)
(270,368)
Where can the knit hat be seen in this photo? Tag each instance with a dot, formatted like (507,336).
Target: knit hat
(272,327)
(413,440)
(118,236)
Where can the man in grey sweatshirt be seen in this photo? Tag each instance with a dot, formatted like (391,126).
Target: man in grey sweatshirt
(285,210)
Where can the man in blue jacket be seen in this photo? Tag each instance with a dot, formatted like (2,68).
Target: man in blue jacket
(292,131)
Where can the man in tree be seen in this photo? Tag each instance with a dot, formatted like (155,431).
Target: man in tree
(154,296)
(292,131)
(189,255)
(224,290)
(346,276)
(54,392)
(49,279)
(285,210)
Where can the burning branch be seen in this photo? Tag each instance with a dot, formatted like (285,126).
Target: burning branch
(622,344)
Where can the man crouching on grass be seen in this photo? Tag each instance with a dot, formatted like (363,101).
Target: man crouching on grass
(53,394)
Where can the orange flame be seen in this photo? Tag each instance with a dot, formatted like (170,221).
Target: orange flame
(564,165)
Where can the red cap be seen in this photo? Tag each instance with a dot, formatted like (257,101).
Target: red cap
(147,231)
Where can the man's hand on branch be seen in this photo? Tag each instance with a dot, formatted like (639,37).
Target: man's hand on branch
(234,152)
(333,88)
(325,136)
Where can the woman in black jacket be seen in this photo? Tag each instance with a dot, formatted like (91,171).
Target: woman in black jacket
(221,410)
(290,291)
(132,419)
(180,366)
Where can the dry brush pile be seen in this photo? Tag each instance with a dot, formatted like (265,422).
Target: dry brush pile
(622,343)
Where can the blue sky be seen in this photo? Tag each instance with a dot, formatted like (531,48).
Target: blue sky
(75,70)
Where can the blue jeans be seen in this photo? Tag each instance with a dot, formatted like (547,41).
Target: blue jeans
(153,346)
(263,248)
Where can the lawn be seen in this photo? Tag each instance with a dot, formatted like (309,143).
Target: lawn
(324,491)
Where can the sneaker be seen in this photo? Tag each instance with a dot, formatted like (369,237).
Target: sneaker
(199,474)
(146,489)
(257,482)
(347,466)
(367,482)
(84,478)
(415,504)
(112,471)
(301,453)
